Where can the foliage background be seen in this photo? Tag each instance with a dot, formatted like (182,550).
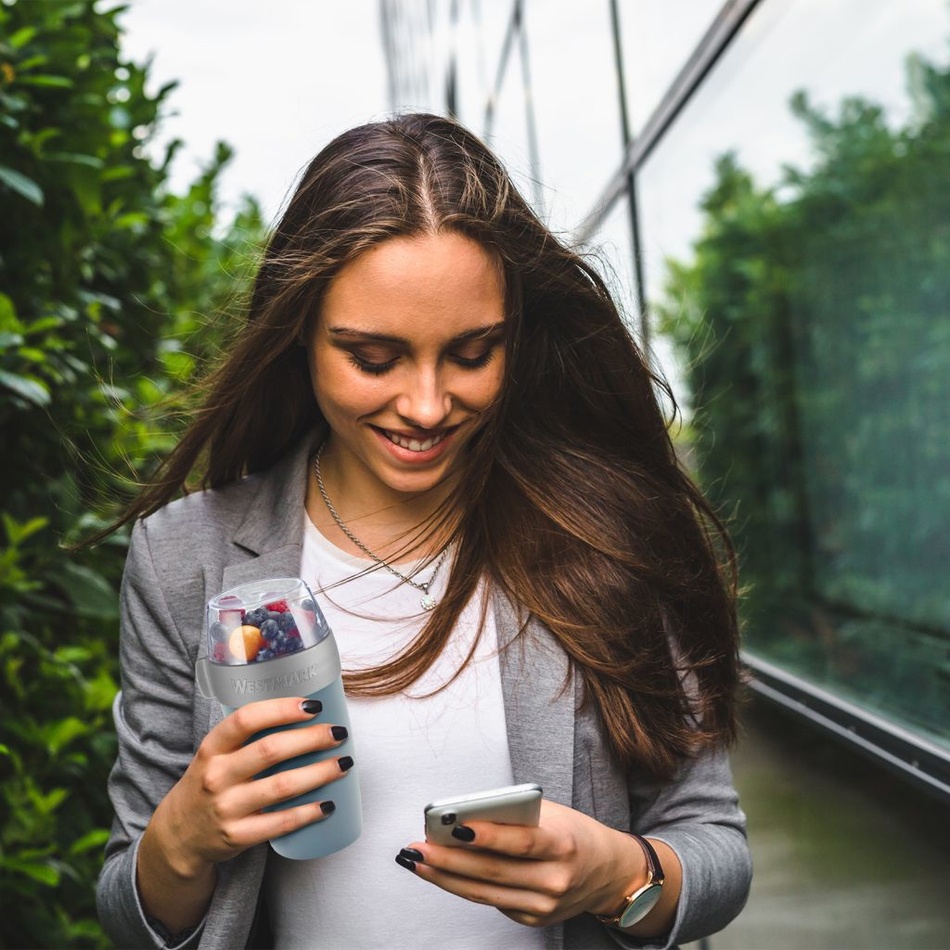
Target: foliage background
(110,289)
(814,322)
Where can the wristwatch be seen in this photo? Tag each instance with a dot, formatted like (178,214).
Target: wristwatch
(638,904)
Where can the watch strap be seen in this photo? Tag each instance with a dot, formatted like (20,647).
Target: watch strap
(655,878)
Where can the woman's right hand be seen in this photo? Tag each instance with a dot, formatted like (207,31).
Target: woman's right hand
(215,811)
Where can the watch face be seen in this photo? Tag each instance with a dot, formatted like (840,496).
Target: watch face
(641,905)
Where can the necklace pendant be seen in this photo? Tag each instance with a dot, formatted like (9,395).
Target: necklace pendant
(428,601)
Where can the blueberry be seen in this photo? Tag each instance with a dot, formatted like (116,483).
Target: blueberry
(308,604)
(264,654)
(270,630)
(256,617)
(294,644)
(286,621)
(219,632)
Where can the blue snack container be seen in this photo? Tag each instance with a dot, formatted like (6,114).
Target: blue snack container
(268,640)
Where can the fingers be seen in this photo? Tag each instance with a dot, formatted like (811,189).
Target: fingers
(525,894)
(264,826)
(272,749)
(289,783)
(266,753)
(235,729)
(536,876)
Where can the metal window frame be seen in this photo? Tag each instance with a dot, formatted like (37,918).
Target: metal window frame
(909,754)
(712,45)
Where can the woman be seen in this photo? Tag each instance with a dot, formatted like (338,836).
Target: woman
(433,404)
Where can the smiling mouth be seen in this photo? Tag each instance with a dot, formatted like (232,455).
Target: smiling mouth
(414,445)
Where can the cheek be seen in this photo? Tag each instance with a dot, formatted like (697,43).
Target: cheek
(342,391)
(492,385)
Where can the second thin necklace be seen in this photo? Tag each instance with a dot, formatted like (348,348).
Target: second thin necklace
(427,601)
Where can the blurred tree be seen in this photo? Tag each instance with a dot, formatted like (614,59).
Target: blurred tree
(814,322)
(108,283)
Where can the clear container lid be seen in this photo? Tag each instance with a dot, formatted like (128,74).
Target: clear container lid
(262,621)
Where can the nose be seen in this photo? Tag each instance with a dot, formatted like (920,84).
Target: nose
(425,403)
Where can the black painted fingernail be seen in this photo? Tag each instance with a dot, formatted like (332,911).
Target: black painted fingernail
(311,706)
(463,833)
(410,854)
(346,763)
(404,862)
(338,732)
(328,808)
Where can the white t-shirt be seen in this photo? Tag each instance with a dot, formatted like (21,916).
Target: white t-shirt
(410,749)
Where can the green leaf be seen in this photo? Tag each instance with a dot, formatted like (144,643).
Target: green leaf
(33,869)
(21,37)
(8,317)
(91,841)
(32,390)
(58,735)
(90,593)
(23,186)
(75,158)
(58,82)
(48,803)
(19,531)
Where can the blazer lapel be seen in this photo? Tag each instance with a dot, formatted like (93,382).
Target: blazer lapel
(272,529)
(538,688)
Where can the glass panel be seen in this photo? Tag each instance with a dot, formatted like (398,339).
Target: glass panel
(810,302)
(656,46)
(576,102)
(509,136)
(475,66)
(490,19)
(409,25)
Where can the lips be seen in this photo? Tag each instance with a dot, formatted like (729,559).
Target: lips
(413,445)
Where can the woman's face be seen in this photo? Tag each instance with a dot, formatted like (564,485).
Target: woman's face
(406,355)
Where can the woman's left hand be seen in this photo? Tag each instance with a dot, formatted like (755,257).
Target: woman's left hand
(539,876)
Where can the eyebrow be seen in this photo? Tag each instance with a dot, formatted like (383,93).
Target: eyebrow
(476,333)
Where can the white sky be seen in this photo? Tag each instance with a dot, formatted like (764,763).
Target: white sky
(276,80)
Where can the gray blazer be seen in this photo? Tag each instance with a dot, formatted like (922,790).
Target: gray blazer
(210,541)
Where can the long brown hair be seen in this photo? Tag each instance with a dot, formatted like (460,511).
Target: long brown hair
(572,502)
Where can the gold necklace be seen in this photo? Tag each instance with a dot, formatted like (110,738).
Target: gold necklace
(428,600)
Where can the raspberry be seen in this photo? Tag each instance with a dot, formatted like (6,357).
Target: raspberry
(280,606)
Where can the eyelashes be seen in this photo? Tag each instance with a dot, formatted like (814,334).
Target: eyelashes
(368,366)
(378,368)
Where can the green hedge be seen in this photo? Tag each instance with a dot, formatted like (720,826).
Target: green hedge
(109,289)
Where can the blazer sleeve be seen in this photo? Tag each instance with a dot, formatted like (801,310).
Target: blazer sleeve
(153,721)
(698,816)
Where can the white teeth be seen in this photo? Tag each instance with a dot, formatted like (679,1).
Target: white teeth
(414,445)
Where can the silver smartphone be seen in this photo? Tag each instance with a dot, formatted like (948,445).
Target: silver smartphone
(512,805)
